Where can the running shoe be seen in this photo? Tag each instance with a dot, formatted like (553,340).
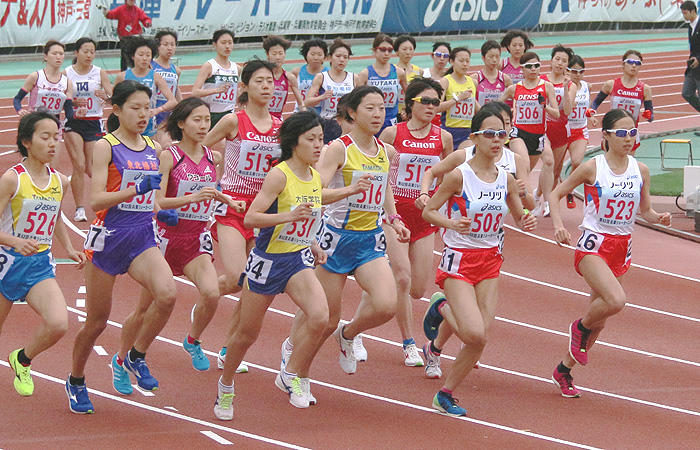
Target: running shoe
(411,358)
(545,209)
(80,214)
(223,407)
(447,404)
(139,368)
(433,318)
(570,201)
(346,357)
(359,348)
(291,384)
(285,354)
(432,367)
(78,400)
(306,389)
(199,361)
(578,343)
(23,377)
(566,384)
(120,377)
(221,360)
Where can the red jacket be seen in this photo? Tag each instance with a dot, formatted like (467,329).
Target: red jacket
(129,19)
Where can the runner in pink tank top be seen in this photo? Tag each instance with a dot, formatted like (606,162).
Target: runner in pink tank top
(517,43)
(276,51)
(491,82)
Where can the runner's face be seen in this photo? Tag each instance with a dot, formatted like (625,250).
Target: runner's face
(309,145)
(133,114)
(369,116)
(276,55)
(42,147)
(224,46)
(621,145)
(196,126)
(142,58)
(631,69)
(424,113)
(166,48)
(516,47)
(440,62)
(86,53)
(489,147)
(532,73)
(560,61)
(315,56)
(383,53)
(261,86)
(576,77)
(406,52)
(339,59)
(492,58)
(461,63)
(54,57)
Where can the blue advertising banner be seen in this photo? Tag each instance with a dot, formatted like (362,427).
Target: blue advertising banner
(415,16)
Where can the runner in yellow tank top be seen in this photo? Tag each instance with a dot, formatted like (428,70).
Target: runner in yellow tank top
(459,101)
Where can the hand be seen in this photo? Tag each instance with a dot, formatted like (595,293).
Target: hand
(78,257)
(80,102)
(26,247)
(541,99)
(594,122)
(204,194)
(422,200)
(301,212)
(224,87)
(102,95)
(664,219)
(528,221)
(562,236)
(168,217)
(693,62)
(462,226)
(327,94)
(522,187)
(403,234)
(148,183)
(154,111)
(648,114)
(22,112)
(363,183)
(320,256)
(590,112)
(464,95)
(81,112)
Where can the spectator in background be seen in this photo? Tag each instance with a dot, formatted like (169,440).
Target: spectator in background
(692,72)
(129,18)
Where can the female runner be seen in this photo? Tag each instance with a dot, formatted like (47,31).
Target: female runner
(122,240)
(405,48)
(490,81)
(440,55)
(251,145)
(471,260)
(141,53)
(167,42)
(615,186)
(628,92)
(288,212)
(517,43)
(390,79)
(217,80)
(30,196)
(419,145)
(276,51)
(459,99)
(314,52)
(91,88)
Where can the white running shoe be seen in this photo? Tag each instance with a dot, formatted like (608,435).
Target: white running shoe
(411,356)
(545,209)
(223,408)
(359,348)
(291,384)
(432,367)
(286,353)
(346,357)
(80,214)
(306,389)
(221,360)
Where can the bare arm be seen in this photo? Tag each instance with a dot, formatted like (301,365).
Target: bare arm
(204,73)
(331,160)
(312,97)
(585,173)
(227,128)
(442,168)
(274,184)
(165,90)
(525,220)
(551,106)
(294,86)
(647,212)
(451,185)
(521,173)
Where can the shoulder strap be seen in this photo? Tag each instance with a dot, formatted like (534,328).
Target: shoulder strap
(109,137)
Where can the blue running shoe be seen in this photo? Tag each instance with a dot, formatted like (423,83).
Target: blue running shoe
(141,372)
(120,378)
(445,403)
(199,360)
(433,318)
(78,400)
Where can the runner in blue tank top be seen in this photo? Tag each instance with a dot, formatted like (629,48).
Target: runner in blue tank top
(314,52)
(163,66)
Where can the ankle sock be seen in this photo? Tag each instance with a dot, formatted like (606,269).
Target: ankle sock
(582,328)
(75,381)
(434,349)
(135,354)
(407,342)
(193,341)
(561,368)
(446,391)
(22,358)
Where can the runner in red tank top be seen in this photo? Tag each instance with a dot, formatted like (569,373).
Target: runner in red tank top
(419,145)
(276,51)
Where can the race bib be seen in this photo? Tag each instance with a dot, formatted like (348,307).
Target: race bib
(201,211)
(618,209)
(277,101)
(631,105)
(228,97)
(85,92)
(380,242)
(372,199)
(528,112)
(258,268)
(328,240)
(307,257)
(52,101)
(302,232)
(255,159)
(589,241)
(95,239)
(6,261)
(463,110)
(206,245)
(143,202)
(450,261)
(219,208)
(37,220)
(411,169)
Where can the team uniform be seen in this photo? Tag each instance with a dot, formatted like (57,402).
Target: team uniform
(629,99)
(85,87)
(169,74)
(304,82)
(221,103)
(506,162)
(608,215)
(413,158)
(352,234)
(279,95)
(412,72)
(48,95)
(391,89)
(487,91)
(31,214)
(248,159)
(190,237)
(476,256)
(557,130)
(515,73)
(529,120)
(122,232)
(147,80)
(283,250)
(329,106)
(578,122)
(458,119)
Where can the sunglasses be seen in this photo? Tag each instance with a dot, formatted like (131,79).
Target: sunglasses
(633,62)
(427,100)
(531,66)
(490,134)
(621,132)
(441,55)
(577,71)
(384,49)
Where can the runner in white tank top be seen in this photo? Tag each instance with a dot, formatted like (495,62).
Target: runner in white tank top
(616,186)
(580,98)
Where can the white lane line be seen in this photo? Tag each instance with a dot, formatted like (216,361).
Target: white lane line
(80,303)
(81,319)
(171,408)
(164,412)
(8,152)
(81,290)
(144,392)
(216,437)
(100,350)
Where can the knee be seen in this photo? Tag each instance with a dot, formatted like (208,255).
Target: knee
(617,302)
(165,296)
(228,283)
(95,326)
(317,320)
(403,281)
(387,308)
(246,335)
(547,162)
(332,322)
(58,326)
(210,296)
(473,339)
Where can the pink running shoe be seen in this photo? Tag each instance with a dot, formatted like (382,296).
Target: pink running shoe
(566,384)
(578,343)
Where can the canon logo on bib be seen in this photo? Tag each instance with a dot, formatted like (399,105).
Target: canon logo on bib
(256,137)
(463,10)
(628,93)
(411,144)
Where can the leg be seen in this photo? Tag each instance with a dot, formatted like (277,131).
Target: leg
(74,145)
(401,268)
(559,154)
(576,151)
(203,274)
(611,297)
(232,244)
(690,90)
(375,278)
(546,180)
(333,284)
(46,299)
(134,322)
(5,306)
